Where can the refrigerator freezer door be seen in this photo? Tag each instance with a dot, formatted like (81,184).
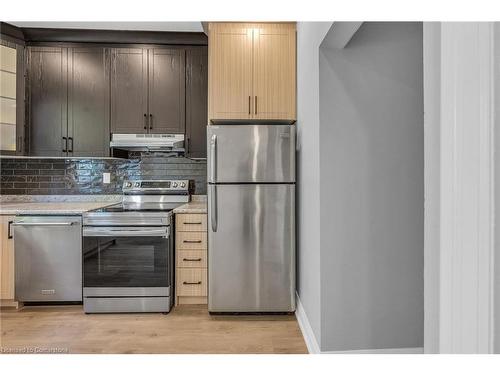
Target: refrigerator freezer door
(251,153)
(251,248)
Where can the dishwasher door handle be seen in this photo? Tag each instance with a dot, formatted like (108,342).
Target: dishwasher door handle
(55,224)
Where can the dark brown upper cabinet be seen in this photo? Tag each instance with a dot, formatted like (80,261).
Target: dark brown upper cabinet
(196,101)
(129,90)
(166,90)
(68,101)
(88,101)
(47,80)
(148,90)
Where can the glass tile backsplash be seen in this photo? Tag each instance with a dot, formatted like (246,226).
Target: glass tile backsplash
(84,176)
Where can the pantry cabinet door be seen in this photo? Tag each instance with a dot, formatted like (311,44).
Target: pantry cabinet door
(274,71)
(230,71)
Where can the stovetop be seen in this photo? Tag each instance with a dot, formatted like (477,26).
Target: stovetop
(144,207)
(144,202)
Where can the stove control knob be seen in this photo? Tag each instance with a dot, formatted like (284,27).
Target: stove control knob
(183,184)
(128,184)
(137,184)
(174,184)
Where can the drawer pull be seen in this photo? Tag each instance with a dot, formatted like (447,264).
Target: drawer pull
(191,260)
(189,241)
(9,230)
(197,223)
(196,283)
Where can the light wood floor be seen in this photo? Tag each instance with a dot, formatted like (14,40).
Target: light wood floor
(187,329)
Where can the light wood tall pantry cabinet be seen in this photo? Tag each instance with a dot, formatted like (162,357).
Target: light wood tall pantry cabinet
(252,71)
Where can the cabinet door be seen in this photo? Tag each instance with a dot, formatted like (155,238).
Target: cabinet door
(129,90)
(88,101)
(230,71)
(274,72)
(12,98)
(196,102)
(48,100)
(166,90)
(6,258)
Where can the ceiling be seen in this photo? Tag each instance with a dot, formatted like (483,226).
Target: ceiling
(145,26)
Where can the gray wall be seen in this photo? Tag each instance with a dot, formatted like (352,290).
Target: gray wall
(372,190)
(309,37)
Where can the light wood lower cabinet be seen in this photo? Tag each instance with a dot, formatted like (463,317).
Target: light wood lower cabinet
(6,262)
(191,259)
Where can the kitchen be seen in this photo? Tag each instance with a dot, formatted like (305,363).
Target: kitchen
(108,205)
(243,187)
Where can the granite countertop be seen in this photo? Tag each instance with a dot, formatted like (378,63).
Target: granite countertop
(78,204)
(49,208)
(198,205)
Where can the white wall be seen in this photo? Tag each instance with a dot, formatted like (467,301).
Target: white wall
(459,146)
(309,37)
(372,189)
(496,323)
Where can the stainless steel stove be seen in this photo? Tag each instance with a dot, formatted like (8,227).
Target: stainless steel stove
(128,250)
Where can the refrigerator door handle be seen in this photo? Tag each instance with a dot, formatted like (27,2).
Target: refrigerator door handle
(213,211)
(213,158)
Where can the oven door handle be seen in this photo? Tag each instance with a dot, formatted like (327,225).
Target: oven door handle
(126,232)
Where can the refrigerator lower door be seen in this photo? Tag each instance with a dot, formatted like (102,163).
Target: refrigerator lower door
(251,236)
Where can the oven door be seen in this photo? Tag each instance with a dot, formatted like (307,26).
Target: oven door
(127,261)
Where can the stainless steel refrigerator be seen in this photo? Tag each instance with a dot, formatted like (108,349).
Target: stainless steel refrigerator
(251,218)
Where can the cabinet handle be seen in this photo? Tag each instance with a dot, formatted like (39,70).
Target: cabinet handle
(19,147)
(196,283)
(249,100)
(71,139)
(191,260)
(65,149)
(255,104)
(145,121)
(150,121)
(190,241)
(192,223)
(187,147)
(9,232)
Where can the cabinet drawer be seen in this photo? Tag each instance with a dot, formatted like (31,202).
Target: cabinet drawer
(192,258)
(192,282)
(191,240)
(191,222)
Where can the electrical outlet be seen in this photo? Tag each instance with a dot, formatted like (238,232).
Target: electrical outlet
(106,178)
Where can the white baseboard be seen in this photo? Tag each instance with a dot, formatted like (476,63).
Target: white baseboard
(305,327)
(314,348)
(380,351)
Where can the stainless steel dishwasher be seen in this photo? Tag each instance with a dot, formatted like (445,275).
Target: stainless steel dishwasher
(48,258)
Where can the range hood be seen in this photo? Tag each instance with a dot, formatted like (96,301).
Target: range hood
(148,142)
